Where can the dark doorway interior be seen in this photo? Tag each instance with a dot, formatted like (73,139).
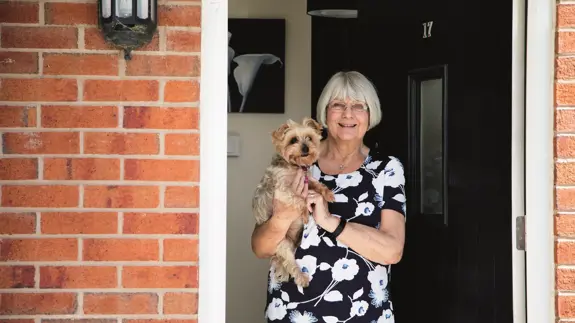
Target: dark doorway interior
(443,72)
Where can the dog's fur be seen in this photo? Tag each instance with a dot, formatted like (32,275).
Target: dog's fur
(297,146)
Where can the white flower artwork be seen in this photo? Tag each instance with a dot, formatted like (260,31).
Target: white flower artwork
(245,66)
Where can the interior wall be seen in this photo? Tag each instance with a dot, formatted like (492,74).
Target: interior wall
(247,275)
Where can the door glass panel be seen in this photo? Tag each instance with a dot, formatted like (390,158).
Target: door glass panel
(427,169)
(431,146)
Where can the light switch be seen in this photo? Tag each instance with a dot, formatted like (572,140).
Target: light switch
(233,144)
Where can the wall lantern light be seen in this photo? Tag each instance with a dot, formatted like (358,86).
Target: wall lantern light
(332,8)
(128,24)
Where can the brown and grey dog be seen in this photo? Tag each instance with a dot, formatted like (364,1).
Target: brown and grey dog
(297,146)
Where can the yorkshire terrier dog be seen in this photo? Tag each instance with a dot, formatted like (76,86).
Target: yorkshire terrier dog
(297,146)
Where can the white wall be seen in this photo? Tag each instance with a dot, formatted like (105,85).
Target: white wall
(247,275)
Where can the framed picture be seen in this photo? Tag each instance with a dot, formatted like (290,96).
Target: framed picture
(256,65)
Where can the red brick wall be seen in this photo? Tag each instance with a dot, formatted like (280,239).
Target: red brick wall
(565,153)
(100,169)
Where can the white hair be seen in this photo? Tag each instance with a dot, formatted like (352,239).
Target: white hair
(349,85)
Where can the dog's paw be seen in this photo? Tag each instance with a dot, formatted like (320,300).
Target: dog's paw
(329,196)
(302,280)
(281,275)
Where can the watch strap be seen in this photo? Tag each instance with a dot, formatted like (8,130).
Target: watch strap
(339,228)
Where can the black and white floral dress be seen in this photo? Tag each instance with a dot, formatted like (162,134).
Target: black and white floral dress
(344,286)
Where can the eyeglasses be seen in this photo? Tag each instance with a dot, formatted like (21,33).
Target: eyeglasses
(356,107)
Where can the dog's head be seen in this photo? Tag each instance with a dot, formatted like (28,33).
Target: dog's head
(298,143)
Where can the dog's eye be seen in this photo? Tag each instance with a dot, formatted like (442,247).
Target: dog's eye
(293,141)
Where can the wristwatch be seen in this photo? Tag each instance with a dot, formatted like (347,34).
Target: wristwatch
(339,228)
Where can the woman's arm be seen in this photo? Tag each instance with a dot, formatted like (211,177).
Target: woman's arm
(268,235)
(383,245)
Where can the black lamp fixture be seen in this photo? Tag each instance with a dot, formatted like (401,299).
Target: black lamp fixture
(128,24)
(332,8)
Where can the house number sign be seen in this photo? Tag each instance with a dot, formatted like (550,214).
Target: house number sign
(427,29)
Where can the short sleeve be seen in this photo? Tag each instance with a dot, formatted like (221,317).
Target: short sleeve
(394,186)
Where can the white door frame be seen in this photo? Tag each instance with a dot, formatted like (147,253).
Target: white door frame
(532,104)
(539,161)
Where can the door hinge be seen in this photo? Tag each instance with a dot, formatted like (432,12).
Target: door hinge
(520,232)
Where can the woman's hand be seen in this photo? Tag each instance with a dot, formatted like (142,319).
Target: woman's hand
(317,205)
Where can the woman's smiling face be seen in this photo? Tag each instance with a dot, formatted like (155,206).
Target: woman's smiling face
(347,119)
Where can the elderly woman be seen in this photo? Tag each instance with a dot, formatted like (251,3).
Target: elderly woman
(348,246)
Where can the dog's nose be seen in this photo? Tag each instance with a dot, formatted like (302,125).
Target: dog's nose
(304,150)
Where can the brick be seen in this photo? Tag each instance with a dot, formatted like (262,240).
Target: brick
(160,277)
(43,89)
(81,168)
(161,118)
(182,91)
(180,303)
(121,143)
(121,250)
(19,12)
(16,276)
(565,252)
(57,13)
(565,68)
(565,306)
(160,223)
(565,120)
(39,196)
(188,16)
(182,197)
(121,90)
(565,15)
(78,277)
(39,37)
(38,249)
(181,250)
(55,116)
(564,173)
(120,303)
(183,41)
(79,222)
(565,146)
(162,170)
(80,64)
(564,94)
(18,168)
(565,199)
(565,279)
(80,321)
(16,321)
(182,144)
(37,303)
(17,223)
(41,143)
(565,42)
(93,40)
(18,62)
(565,225)
(17,116)
(171,65)
(114,196)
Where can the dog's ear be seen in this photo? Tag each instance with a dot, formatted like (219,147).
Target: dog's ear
(309,122)
(279,133)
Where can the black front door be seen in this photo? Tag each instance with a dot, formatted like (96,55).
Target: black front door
(443,72)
